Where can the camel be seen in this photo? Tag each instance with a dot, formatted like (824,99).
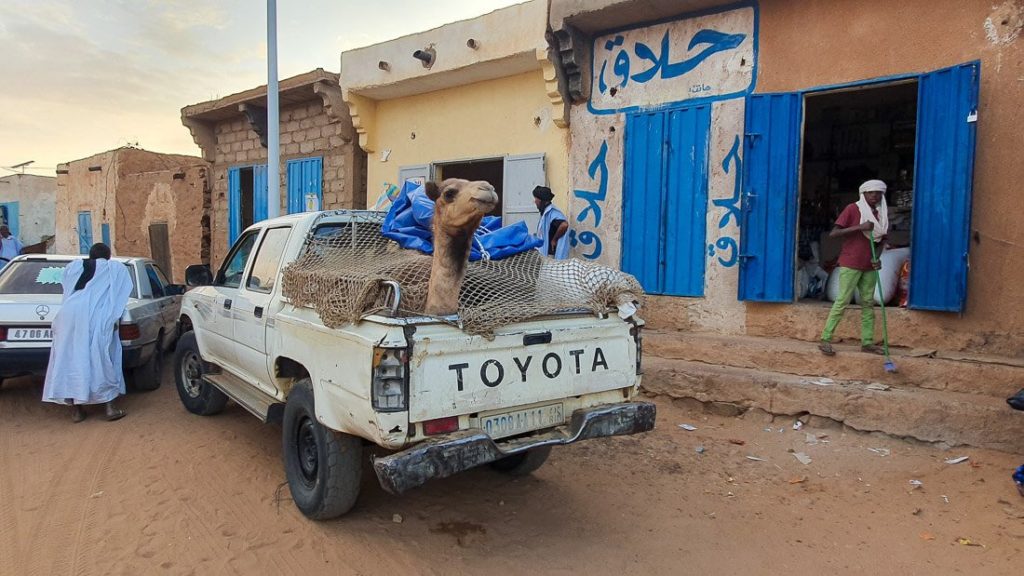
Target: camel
(459,206)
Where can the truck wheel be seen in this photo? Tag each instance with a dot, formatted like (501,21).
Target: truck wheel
(198,396)
(323,466)
(523,463)
(147,377)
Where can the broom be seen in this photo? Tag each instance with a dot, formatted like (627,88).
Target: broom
(890,366)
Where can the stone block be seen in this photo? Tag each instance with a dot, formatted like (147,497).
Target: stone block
(336,141)
(286,138)
(306,147)
(299,136)
(299,113)
(292,148)
(305,123)
(312,133)
(247,145)
(291,126)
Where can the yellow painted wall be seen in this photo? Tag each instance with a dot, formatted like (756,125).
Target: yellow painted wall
(489,119)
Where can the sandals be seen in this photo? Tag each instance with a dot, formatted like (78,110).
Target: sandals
(826,348)
(871,349)
(77,413)
(114,413)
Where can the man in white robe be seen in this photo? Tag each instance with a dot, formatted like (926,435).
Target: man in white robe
(85,358)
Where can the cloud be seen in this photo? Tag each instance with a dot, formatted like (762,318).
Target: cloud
(81,77)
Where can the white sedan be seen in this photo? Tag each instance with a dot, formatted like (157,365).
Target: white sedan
(30,295)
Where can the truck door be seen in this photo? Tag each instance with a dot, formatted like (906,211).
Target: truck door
(252,308)
(217,341)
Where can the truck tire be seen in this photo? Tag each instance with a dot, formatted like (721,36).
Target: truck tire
(323,467)
(147,377)
(523,463)
(198,396)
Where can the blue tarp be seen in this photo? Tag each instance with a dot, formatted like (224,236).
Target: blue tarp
(409,222)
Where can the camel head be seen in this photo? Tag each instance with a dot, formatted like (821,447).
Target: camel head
(460,205)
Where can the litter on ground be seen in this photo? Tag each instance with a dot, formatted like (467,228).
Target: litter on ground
(958,460)
(880,451)
(688,427)
(755,458)
(803,458)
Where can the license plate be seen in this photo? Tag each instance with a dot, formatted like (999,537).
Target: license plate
(29,334)
(519,421)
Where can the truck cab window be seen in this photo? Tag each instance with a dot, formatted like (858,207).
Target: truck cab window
(268,257)
(230,274)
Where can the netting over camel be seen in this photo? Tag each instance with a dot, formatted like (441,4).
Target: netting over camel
(343,271)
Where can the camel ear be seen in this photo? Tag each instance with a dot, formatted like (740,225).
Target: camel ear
(432,190)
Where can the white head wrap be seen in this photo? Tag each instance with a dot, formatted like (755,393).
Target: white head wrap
(866,215)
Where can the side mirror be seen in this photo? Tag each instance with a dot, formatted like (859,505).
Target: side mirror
(174,289)
(198,275)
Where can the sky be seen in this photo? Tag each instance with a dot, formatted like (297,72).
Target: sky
(79,77)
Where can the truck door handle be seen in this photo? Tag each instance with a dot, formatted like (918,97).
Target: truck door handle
(258,312)
(538,338)
(227,304)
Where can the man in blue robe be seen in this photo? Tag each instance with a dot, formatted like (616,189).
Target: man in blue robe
(553,225)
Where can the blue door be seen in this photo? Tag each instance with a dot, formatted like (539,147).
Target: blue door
(769,204)
(259,191)
(305,178)
(258,176)
(84,232)
(665,199)
(946,124)
(9,216)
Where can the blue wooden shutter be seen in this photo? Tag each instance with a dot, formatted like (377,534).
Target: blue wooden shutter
(686,200)
(105,232)
(234,204)
(9,216)
(946,124)
(769,214)
(643,203)
(305,176)
(84,232)
(665,199)
(259,193)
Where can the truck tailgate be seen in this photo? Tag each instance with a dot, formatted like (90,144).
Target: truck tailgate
(453,373)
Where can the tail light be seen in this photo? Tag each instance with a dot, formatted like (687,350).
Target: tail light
(129,332)
(3,333)
(441,425)
(390,388)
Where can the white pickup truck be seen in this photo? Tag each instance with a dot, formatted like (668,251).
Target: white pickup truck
(439,400)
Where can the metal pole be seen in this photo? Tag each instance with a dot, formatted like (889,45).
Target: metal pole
(273,124)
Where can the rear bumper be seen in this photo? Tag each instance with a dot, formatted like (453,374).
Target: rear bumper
(459,451)
(18,361)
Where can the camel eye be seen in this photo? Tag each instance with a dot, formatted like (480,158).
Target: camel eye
(449,194)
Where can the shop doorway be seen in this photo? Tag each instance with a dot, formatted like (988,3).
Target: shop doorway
(490,170)
(850,136)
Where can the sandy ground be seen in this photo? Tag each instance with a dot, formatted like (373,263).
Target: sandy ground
(163,491)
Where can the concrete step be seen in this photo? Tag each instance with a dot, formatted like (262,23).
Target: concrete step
(925,414)
(995,377)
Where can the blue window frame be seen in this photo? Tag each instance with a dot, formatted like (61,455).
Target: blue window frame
(84,232)
(9,216)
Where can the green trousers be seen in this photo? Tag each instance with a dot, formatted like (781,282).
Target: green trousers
(864,282)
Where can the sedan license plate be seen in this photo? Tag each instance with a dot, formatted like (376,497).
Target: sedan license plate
(512,423)
(29,334)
